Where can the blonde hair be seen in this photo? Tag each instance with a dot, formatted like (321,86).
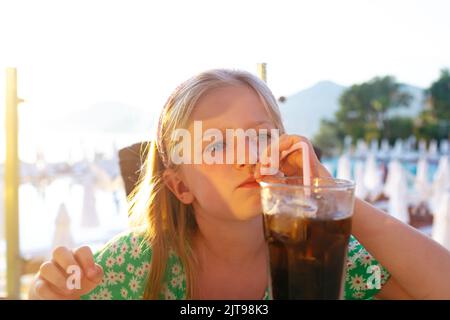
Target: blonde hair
(170,224)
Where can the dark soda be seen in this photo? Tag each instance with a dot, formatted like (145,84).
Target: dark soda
(307,255)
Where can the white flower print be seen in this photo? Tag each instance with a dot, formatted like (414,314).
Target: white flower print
(111,277)
(124,293)
(352,245)
(134,284)
(134,240)
(365,259)
(120,276)
(124,248)
(139,272)
(146,266)
(168,294)
(357,283)
(350,264)
(105,294)
(177,282)
(130,268)
(135,252)
(384,276)
(113,248)
(104,282)
(109,262)
(358,295)
(120,260)
(94,296)
(176,268)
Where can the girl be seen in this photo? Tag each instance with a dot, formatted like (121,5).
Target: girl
(198,227)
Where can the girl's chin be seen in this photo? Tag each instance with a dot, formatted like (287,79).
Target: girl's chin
(249,214)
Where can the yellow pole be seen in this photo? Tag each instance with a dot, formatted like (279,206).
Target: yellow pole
(262,71)
(13,258)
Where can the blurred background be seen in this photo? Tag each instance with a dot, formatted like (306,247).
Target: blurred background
(368,82)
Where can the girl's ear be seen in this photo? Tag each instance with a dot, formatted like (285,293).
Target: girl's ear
(174,182)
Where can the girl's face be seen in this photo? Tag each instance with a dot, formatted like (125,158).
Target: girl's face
(227,191)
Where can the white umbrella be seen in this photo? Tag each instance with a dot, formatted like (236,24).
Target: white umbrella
(374,146)
(441,221)
(397,189)
(63,234)
(384,149)
(89,215)
(433,150)
(441,182)
(360,188)
(373,178)
(443,148)
(361,148)
(344,169)
(422,186)
(397,151)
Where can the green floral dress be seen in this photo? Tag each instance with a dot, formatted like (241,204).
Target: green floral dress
(126,263)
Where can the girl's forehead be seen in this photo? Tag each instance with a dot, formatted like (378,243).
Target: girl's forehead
(231,105)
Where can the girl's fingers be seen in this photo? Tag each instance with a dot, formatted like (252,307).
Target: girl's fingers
(44,291)
(290,160)
(85,258)
(54,275)
(64,258)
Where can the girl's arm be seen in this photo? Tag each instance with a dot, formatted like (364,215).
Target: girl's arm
(419,266)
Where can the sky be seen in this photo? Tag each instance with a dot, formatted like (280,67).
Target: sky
(73,54)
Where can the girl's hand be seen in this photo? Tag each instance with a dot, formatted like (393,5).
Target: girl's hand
(292,164)
(53,282)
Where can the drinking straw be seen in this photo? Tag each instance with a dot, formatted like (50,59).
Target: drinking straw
(306,161)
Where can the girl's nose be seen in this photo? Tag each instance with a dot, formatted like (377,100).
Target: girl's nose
(249,158)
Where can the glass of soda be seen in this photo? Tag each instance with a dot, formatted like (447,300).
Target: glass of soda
(307,228)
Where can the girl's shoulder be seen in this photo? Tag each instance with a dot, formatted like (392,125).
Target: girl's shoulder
(129,244)
(125,260)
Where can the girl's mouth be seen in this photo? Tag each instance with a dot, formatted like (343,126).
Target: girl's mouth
(249,184)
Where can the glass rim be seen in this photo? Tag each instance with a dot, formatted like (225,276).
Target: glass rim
(338,184)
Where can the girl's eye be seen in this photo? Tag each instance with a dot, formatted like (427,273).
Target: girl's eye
(218,146)
(264,137)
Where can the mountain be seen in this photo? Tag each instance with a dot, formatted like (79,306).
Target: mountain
(302,111)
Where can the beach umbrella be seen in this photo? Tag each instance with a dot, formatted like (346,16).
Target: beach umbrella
(360,188)
(433,152)
(89,215)
(344,169)
(422,147)
(422,186)
(384,149)
(63,234)
(361,148)
(397,151)
(396,188)
(374,146)
(443,147)
(441,221)
(373,177)
(441,182)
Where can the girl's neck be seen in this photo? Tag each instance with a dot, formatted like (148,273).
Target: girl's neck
(232,242)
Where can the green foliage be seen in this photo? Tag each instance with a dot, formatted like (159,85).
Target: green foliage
(363,114)
(329,139)
(439,94)
(434,121)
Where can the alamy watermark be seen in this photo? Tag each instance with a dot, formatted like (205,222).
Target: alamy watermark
(212,146)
